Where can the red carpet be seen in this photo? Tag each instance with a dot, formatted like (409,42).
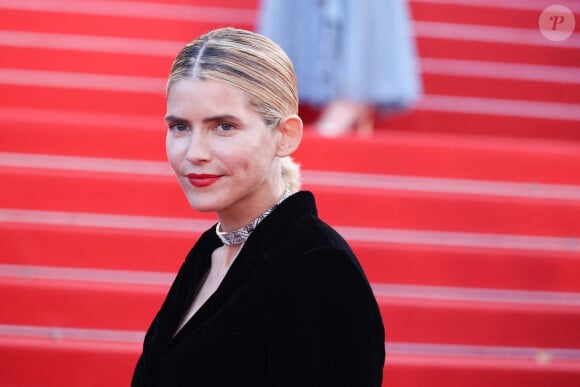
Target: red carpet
(464,211)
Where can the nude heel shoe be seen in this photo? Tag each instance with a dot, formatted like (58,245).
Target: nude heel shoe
(366,122)
(342,116)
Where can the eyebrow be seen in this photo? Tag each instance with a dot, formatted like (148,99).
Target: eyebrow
(173,119)
(223,117)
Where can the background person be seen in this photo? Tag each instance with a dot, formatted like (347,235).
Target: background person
(354,59)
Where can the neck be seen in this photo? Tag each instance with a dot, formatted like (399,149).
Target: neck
(242,233)
(226,256)
(249,209)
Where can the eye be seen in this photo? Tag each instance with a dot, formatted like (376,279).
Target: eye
(224,127)
(178,127)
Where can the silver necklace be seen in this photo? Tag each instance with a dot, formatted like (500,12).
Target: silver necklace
(241,234)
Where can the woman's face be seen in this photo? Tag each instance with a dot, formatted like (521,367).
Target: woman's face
(223,154)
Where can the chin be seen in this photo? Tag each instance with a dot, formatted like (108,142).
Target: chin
(204,202)
(201,201)
(203,209)
(203,206)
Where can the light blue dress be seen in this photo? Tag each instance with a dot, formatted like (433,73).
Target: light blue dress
(361,50)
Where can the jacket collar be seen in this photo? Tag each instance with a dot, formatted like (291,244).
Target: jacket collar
(256,249)
(297,205)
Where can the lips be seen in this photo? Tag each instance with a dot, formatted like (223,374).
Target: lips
(202,180)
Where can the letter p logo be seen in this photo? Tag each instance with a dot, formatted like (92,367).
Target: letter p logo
(557,23)
(557,19)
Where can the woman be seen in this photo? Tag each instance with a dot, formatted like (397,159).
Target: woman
(271,295)
(353,59)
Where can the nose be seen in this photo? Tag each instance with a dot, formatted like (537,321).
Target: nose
(198,147)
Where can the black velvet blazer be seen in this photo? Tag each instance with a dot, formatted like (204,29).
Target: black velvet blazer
(295,309)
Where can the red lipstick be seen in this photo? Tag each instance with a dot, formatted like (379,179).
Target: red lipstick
(202,180)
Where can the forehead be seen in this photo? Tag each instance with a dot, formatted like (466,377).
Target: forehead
(191,95)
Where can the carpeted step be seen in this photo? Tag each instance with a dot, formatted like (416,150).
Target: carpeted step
(88,134)
(138,99)
(161,196)
(480,367)
(481,86)
(489,79)
(88,61)
(102,94)
(474,258)
(409,257)
(112,19)
(64,361)
(484,117)
(99,303)
(498,13)
(108,143)
(65,357)
(128,301)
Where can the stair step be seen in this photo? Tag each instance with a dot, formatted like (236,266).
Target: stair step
(393,152)
(124,20)
(103,248)
(161,196)
(440,76)
(455,315)
(469,316)
(435,38)
(465,266)
(144,100)
(504,14)
(145,96)
(434,47)
(137,98)
(476,122)
(64,362)
(58,352)
(89,134)
(498,88)
(94,60)
(408,257)
(85,192)
(478,371)
(78,303)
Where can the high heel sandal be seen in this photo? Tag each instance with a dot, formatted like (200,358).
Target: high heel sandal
(341,117)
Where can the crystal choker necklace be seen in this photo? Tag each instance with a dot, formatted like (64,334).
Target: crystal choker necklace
(241,234)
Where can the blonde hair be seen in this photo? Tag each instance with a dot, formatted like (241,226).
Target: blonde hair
(252,63)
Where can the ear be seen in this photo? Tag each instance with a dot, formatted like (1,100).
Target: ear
(290,129)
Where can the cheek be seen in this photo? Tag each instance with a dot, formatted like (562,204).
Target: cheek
(241,160)
(173,150)
(260,159)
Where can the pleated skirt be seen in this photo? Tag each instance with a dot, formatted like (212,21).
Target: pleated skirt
(360,50)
